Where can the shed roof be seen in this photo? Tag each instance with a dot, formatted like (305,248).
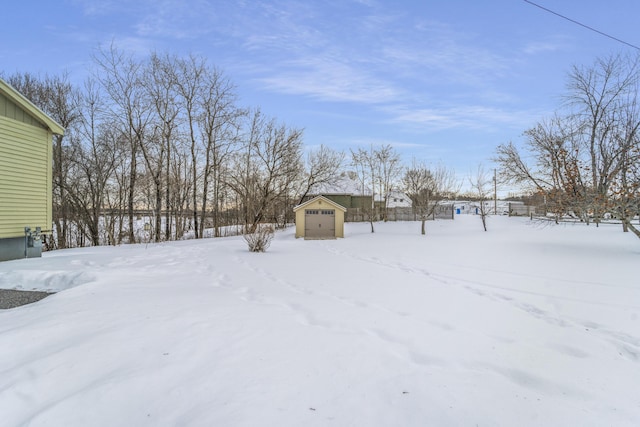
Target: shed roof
(8,90)
(324,199)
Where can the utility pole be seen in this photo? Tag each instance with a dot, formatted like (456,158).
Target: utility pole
(495,193)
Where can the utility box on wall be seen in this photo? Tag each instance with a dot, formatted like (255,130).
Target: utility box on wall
(33,242)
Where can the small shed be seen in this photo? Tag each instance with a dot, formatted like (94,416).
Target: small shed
(25,174)
(320,218)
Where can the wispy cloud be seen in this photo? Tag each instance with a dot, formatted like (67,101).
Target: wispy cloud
(377,142)
(380,61)
(553,45)
(96,7)
(473,117)
(295,49)
(328,79)
(138,46)
(177,20)
(419,73)
(430,49)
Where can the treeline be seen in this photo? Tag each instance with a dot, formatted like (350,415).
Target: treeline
(165,135)
(585,160)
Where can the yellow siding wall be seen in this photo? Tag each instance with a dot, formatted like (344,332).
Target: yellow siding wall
(320,204)
(25,178)
(10,109)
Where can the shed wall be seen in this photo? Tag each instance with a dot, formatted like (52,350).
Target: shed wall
(319,204)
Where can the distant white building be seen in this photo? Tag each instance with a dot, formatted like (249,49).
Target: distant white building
(397,199)
(462,207)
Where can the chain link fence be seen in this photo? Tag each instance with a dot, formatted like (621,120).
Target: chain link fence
(445,211)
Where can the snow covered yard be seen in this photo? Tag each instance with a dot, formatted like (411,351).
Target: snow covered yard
(524,325)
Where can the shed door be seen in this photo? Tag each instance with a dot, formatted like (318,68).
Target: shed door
(319,223)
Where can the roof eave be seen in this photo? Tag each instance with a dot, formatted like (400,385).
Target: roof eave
(308,202)
(23,102)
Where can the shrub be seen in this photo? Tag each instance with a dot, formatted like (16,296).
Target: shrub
(259,240)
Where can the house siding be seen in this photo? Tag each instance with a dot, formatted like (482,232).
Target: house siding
(11,110)
(341,199)
(25,173)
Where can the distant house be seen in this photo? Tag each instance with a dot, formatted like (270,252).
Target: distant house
(361,202)
(26,159)
(347,192)
(397,199)
(320,218)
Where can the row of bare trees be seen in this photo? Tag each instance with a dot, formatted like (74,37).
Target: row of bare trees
(162,141)
(585,160)
(380,170)
(164,137)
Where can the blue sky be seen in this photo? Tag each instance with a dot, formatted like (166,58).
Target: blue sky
(442,81)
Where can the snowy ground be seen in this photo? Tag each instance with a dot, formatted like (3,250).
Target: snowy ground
(525,325)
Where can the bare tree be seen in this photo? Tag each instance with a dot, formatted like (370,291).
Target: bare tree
(322,167)
(481,187)
(160,82)
(579,156)
(189,82)
(267,170)
(219,124)
(165,133)
(366,165)
(625,188)
(96,146)
(601,101)
(181,190)
(121,78)
(556,170)
(389,169)
(598,95)
(428,188)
